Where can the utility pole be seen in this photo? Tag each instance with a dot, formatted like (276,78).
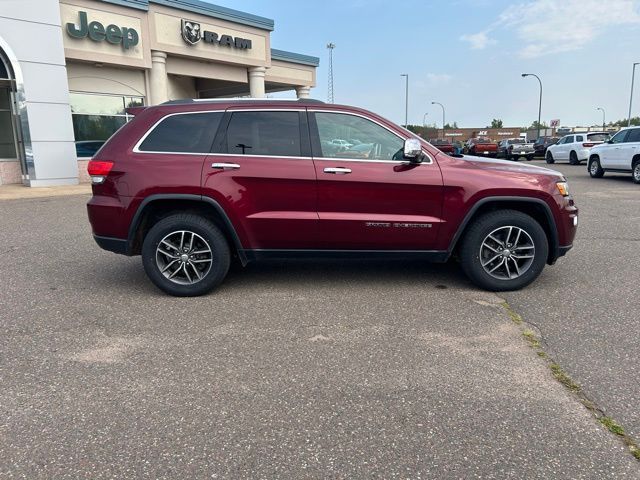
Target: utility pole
(540,102)
(603,117)
(406,99)
(633,75)
(330,98)
(441,106)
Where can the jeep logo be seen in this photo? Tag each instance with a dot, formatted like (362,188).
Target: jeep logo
(97,32)
(192,34)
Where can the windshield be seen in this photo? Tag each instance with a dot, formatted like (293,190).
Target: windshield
(516,140)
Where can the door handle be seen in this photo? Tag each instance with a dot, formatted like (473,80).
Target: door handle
(223,166)
(337,170)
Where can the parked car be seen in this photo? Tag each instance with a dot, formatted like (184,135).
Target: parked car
(542,143)
(619,154)
(443,145)
(514,148)
(482,147)
(338,142)
(251,180)
(575,147)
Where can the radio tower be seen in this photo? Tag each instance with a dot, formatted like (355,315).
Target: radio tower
(330,46)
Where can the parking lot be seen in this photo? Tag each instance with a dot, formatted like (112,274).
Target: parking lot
(315,369)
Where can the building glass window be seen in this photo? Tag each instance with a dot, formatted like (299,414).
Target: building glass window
(97,117)
(7,140)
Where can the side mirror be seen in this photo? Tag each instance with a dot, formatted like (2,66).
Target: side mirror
(413,150)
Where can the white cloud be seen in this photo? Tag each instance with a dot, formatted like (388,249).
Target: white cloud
(435,79)
(478,41)
(549,26)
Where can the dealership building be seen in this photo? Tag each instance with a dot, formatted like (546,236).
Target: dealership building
(69,69)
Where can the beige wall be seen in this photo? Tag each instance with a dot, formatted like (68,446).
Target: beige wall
(101,67)
(86,77)
(291,73)
(165,25)
(181,87)
(105,52)
(198,69)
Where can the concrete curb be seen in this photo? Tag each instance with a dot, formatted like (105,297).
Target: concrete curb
(16,192)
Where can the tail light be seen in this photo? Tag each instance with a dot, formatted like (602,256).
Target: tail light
(98,170)
(588,144)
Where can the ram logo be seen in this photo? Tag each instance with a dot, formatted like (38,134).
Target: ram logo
(191,32)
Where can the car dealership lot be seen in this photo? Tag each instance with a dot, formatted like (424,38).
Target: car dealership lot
(314,369)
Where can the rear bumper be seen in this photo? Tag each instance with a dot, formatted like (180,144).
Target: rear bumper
(562,251)
(115,245)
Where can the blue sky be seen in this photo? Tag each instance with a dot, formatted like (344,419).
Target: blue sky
(468,55)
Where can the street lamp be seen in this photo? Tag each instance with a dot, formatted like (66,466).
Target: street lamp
(633,74)
(406,99)
(424,120)
(540,103)
(441,106)
(603,117)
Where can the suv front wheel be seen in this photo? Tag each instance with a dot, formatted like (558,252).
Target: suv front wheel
(504,250)
(595,169)
(185,255)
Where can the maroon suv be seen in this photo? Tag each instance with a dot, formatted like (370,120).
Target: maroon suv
(191,184)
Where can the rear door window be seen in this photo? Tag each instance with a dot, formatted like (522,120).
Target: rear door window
(275,134)
(183,133)
(579,138)
(634,135)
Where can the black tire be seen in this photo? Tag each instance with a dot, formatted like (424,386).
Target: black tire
(595,169)
(529,158)
(635,171)
(573,159)
(470,250)
(206,234)
(549,158)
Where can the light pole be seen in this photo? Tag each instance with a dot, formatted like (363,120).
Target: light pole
(424,120)
(441,106)
(633,75)
(540,103)
(603,117)
(406,99)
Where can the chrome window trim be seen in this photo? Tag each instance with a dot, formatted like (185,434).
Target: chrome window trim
(344,112)
(136,148)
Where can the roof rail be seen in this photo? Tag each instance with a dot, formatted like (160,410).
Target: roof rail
(240,100)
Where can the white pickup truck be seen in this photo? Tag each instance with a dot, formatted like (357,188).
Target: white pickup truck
(620,154)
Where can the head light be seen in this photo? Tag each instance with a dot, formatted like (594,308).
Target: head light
(563,188)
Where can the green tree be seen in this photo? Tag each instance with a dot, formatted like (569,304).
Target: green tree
(635,121)
(496,123)
(449,126)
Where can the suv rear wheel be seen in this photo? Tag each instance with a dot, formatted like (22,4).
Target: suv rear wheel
(573,159)
(636,171)
(185,255)
(504,250)
(595,170)
(549,158)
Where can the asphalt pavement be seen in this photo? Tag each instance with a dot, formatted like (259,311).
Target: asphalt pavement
(310,369)
(587,306)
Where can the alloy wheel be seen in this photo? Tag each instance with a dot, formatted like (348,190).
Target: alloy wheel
(507,252)
(594,168)
(636,173)
(184,257)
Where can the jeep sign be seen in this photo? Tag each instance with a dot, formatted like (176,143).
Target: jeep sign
(97,32)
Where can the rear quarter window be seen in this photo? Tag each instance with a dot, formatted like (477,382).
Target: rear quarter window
(183,133)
